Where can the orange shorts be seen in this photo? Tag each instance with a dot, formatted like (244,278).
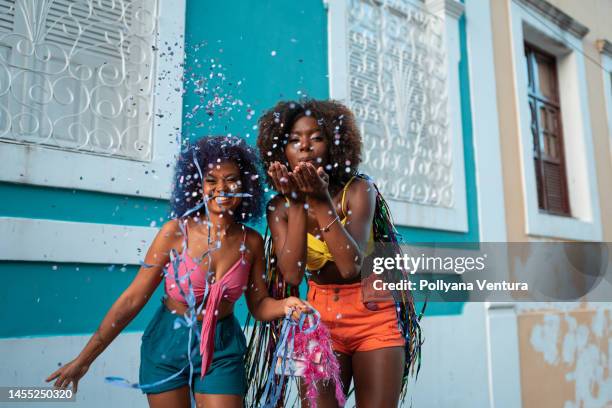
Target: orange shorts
(353,326)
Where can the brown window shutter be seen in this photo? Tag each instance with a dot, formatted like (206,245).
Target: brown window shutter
(546,130)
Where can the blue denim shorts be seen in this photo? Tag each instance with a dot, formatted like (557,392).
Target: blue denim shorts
(163,354)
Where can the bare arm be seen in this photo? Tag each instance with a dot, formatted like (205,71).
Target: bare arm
(260,304)
(288,223)
(125,308)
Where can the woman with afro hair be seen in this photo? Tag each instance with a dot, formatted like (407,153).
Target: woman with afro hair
(194,346)
(323,223)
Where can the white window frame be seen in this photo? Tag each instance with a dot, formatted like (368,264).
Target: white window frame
(606,61)
(413,214)
(487,149)
(47,166)
(566,44)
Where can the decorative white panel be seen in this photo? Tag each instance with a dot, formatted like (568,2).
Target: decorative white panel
(397,74)
(78,75)
(394,62)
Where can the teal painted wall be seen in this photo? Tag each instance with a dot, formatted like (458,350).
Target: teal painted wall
(296,34)
(42,299)
(242,36)
(27,201)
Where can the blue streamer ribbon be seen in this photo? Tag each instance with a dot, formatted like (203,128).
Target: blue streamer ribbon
(273,389)
(189,319)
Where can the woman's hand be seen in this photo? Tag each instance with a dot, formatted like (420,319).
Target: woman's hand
(312,181)
(296,307)
(284,182)
(69,373)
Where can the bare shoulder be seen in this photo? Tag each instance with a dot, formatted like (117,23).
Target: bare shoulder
(254,244)
(170,233)
(277,206)
(254,239)
(360,190)
(171,227)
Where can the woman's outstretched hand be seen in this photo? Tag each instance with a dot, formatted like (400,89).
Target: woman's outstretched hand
(69,373)
(296,307)
(311,181)
(284,181)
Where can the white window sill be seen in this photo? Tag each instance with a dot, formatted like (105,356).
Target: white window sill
(557,226)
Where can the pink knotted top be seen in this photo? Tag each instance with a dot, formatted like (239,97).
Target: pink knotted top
(230,287)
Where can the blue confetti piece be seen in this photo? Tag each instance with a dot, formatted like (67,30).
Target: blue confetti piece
(121,382)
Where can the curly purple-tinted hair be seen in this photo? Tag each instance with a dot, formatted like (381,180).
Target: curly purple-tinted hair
(204,153)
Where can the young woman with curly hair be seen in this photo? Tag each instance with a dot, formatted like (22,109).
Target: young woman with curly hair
(207,258)
(323,223)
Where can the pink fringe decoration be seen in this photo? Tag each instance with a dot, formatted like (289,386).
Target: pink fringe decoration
(321,362)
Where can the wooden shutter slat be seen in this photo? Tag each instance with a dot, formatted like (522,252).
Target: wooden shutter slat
(546,127)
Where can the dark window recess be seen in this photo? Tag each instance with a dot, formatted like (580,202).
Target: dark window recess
(546,129)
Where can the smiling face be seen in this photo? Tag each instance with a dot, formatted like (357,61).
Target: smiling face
(222,179)
(306,143)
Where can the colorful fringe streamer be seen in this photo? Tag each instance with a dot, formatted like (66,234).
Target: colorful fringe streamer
(265,336)
(385,232)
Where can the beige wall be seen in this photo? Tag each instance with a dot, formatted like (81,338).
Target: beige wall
(597,16)
(564,349)
(563,358)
